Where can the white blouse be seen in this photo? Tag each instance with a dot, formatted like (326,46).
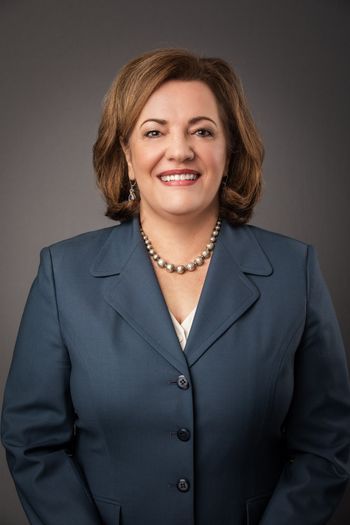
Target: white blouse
(182,330)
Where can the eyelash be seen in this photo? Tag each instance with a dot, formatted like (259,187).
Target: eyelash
(208,131)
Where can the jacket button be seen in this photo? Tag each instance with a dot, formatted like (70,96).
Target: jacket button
(182,382)
(184,434)
(183,485)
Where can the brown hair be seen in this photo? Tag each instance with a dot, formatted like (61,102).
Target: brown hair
(124,102)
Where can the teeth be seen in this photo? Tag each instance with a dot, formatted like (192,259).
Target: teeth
(184,176)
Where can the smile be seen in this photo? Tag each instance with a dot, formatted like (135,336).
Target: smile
(178,177)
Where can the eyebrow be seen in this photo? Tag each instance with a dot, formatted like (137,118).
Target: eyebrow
(193,120)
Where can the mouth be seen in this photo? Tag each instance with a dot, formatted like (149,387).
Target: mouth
(179,177)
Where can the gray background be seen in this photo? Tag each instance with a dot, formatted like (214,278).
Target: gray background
(57,61)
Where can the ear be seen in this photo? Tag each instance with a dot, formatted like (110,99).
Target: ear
(227,165)
(126,149)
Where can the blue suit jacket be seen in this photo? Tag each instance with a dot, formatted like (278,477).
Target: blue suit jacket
(107,421)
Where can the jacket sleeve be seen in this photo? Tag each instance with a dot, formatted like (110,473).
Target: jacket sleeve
(317,428)
(37,424)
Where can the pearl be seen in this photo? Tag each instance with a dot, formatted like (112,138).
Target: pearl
(170,267)
(191,266)
(199,260)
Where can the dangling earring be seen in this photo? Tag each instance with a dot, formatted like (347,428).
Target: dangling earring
(132,194)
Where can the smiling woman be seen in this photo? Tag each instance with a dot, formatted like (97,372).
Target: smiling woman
(178,98)
(182,366)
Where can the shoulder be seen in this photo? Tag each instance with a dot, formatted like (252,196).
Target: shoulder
(285,252)
(275,241)
(86,241)
(80,250)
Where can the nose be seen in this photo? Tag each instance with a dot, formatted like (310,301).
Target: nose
(179,148)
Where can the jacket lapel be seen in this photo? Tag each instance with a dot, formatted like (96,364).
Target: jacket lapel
(132,289)
(227,292)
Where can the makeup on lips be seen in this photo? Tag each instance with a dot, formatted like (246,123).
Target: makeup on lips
(183,177)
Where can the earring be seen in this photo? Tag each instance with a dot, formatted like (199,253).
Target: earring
(132,194)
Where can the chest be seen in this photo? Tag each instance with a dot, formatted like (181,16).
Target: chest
(181,292)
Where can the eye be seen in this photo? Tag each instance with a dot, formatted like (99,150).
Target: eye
(150,133)
(204,132)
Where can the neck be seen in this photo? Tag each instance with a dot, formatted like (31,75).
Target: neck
(180,240)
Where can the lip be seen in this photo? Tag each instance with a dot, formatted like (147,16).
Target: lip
(179,172)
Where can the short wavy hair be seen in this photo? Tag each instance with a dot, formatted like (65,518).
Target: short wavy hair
(123,103)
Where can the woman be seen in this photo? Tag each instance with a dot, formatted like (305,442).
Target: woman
(181,366)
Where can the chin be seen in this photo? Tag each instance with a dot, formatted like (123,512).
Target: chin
(180,212)
(190,215)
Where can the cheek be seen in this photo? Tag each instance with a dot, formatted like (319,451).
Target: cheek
(217,161)
(214,157)
(145,158)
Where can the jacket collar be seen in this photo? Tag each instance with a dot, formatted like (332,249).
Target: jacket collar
(132,289)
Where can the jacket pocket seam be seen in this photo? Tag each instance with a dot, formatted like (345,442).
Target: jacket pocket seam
(256,498)
(106,500)
(254,515)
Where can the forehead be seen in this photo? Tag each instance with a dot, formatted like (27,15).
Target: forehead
(181,97)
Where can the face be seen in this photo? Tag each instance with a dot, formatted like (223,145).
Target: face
(178,134)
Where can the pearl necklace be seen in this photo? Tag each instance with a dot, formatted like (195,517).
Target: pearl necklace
(182,268)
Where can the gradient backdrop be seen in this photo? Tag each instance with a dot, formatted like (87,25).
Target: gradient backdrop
(58,58)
